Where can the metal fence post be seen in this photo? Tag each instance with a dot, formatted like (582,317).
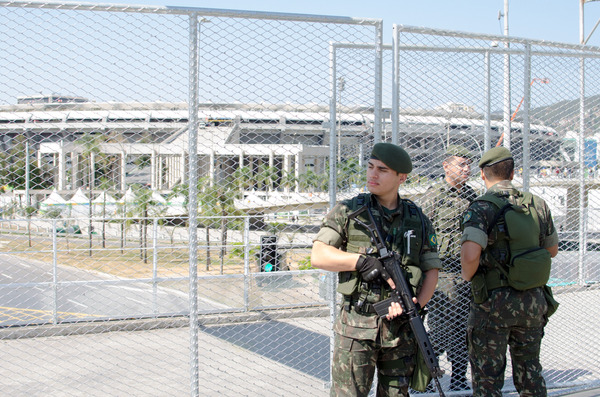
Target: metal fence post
(155,265)
(395,84)
(193,199)
(332,126)
(582,167)
(526,107)
(377,103)
(506,110)
(487,103)
(54,274)
(246,243)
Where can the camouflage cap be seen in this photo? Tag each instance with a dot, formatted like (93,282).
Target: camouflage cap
(393,156)
(459,151)
(494,156)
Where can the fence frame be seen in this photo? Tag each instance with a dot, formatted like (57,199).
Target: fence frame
(194,31)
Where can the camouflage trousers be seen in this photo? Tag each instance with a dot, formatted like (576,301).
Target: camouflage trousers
(447,321)
(514,319)
(355,360)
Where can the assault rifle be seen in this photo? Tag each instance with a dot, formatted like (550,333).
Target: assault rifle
(402,294)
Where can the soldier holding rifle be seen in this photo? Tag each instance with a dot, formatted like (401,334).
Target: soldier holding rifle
(365,341)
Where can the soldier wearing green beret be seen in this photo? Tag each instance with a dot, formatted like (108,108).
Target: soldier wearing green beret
(505,313)
(365,342)
(444,203)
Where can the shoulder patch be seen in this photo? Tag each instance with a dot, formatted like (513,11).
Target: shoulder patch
(467,216)
(433,239)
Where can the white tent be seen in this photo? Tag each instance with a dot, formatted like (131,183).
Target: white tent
(158,198)
(176,206)
(80,205)
(128,198)
(54,202)
(104,205)
(159,205)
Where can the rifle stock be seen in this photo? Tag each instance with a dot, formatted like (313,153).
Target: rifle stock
(402,294)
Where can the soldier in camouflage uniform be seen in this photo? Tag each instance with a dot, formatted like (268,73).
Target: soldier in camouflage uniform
(364,341)
(508,317)
(444,204)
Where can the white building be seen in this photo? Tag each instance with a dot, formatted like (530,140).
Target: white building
(289,138)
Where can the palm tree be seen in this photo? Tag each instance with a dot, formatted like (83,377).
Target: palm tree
(243,177)
(266,177)
(350,174)
(105,184)
(142,203)
(13,168)
(310,181)
(218,201)
(288,180)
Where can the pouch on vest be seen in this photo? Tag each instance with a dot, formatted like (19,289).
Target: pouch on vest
(479,288)
(552,303)
(421,375)
(530,269)
(415,277)
(518,226)
(347,283)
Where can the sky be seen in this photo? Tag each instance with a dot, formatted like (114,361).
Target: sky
(550,20)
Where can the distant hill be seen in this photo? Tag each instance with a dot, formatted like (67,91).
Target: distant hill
(564,115)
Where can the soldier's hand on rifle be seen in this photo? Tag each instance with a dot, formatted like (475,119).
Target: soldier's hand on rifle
(370,268)
(395,309)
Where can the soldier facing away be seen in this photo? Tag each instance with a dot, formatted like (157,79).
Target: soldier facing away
(364,341)
(445,203)
(510,308)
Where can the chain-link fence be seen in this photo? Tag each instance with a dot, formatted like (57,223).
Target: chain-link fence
(101,159)
(164,171)
(539,100)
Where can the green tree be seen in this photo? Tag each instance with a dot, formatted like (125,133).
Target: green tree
(215,209)
(105,185)
(310,181)
(350,174)
(266,177)
(142,204)
(217,204)
(13,168)
(288,180)
(243,178)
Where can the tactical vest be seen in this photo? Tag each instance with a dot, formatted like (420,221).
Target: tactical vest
(358,240)
(448,210)
(515,258)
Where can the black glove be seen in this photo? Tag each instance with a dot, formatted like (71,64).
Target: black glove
(370,268)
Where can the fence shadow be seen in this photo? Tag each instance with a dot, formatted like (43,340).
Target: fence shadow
(565,375)
(296,347)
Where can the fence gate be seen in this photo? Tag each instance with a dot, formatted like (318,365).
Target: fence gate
(540,100)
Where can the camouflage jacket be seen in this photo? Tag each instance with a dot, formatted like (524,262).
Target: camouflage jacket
(445,206)
(335,232)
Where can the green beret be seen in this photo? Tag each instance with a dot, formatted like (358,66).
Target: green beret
(393,156)
(494,155)
(459,151)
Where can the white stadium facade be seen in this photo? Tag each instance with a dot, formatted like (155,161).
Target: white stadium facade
(290,138)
